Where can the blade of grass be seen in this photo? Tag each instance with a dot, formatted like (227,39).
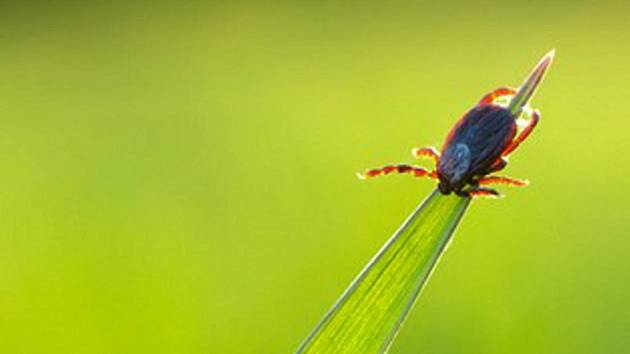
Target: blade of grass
(367,316)
(529,86)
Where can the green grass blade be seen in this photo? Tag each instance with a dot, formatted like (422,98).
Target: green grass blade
(367,316)
(528,88)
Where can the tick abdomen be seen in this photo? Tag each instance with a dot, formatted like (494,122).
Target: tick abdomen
(476,142)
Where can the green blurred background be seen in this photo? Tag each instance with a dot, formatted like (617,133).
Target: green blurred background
(179,178)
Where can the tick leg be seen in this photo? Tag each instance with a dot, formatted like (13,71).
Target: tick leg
(498,165)
(500,92)
(523,135)
(484,192)
(400,168)
(429,151)
(502,180)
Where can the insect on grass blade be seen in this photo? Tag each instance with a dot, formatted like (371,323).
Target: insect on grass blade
(367,316)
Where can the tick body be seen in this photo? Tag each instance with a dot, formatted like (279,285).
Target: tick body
(480,142)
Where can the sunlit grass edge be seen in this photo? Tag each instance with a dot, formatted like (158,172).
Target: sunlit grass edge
(369,313)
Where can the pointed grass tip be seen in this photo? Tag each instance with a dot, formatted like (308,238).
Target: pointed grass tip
(527,90)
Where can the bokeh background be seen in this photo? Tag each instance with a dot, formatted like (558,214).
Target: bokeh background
(178,177)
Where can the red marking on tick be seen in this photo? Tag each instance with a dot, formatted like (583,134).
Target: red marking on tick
(478,143)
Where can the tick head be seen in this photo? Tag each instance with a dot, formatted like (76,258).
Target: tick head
(444,187)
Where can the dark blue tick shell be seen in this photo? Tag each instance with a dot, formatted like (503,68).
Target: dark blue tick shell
(474,145)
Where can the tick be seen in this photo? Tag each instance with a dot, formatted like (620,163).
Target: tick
(480,142)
